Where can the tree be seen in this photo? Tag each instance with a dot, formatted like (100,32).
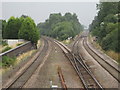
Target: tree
(63,30)
(60,27)
(110,18)
(3,27)
(12,28)
(105,25)
(28,30)
(110,42)
(106,8)
(0,24)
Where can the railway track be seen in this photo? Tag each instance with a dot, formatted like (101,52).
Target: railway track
(88,78)
(22,79)
(85,75)
(114,71)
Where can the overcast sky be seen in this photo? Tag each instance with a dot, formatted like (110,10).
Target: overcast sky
(40,11)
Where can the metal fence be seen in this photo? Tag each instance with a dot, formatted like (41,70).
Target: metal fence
(18,50)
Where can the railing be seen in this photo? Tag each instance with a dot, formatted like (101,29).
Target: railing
(18,50)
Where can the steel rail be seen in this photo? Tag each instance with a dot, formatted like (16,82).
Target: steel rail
(26,70)
(86,46)
(75,61)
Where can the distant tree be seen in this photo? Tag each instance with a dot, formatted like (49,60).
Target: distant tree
(60,27)
(24,16)
(63,30)
(29,31)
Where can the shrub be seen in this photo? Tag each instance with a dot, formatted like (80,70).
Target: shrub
(19,44)
(8,61)
(4,43)
(6,49)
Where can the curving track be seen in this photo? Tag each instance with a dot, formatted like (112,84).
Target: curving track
(21,80)
(113,70)
(87,78)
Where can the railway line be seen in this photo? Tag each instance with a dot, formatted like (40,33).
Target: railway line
(22,79)
(85,75)
(113,70)
(77,61)
(89,79)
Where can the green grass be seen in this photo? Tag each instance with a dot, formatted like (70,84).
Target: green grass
(19,44)
(114,55)
(66,41)
(7,61)
(6,49)
(4,43)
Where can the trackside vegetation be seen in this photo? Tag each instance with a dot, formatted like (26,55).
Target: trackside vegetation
(23,28)
(8,61)
(61,27)
(6,49)
(106,26)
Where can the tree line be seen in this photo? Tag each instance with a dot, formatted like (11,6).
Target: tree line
(61,27)
(20,28)
(106,25)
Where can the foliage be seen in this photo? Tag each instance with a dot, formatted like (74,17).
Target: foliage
(8,61)
(6,49)
(3,28)
(23,27)
(0,24)
(28,30)
(62,30)
(12,28)
(4,43)
(60,27)
(19,44)
(105,26)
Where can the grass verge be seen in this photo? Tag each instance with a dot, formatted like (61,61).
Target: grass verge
(6,49)
(112,54)
(11,62)
(7,61)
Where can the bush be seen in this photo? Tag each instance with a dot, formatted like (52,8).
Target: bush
(8,61)
(4,43)
(6,49)
(19,44)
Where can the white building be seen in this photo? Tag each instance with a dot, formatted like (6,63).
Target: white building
(14,41)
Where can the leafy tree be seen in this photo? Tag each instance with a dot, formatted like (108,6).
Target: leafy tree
(110,27)
(28,30)
(3,28)
(23,27)
(110,42)
(12,28)
(63,30)
(106,25)
(60,27)
(110,18)
(106,8)
(0,24)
